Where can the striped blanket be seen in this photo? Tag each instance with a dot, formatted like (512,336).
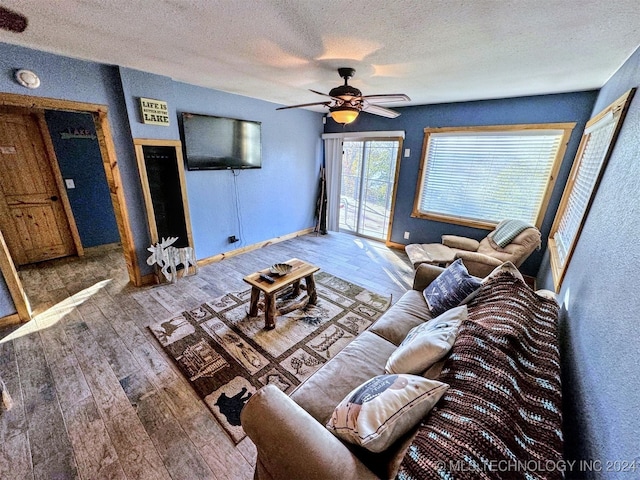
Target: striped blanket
(501,418)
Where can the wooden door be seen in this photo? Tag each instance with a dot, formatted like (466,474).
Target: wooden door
(34,212)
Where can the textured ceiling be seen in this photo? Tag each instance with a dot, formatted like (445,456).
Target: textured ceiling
(275,50)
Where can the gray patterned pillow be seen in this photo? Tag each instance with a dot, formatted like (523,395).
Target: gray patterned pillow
(381,410)
(450,289)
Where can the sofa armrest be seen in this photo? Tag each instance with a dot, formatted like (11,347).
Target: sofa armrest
(292,444)
(425,274)
(463,243)
(479,258)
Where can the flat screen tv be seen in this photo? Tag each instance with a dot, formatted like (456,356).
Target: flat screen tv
(218,143)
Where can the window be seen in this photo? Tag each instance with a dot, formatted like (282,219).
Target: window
(478,176)
(595,148)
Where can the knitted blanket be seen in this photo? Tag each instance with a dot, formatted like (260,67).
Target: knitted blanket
(507,230)
(501,417)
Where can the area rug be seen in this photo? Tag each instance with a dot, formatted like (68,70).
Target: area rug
(228,355)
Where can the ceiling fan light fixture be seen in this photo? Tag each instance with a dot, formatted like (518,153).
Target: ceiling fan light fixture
(346,102)
(344,115)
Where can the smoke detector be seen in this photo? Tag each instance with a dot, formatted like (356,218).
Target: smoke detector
(27,78)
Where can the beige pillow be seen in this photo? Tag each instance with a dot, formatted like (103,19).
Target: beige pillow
(427,343)
(381,410)
(548,294)
(505,267)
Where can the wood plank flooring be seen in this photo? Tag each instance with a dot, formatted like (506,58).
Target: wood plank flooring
(94,394)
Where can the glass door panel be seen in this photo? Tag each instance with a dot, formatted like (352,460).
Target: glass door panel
(350,186)
(368,175)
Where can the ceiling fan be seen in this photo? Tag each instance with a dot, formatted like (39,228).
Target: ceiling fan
(347,101)
(12,21)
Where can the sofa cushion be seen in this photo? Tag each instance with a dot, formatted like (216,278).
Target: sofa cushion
(427,343)
(408,312)
(377,413)
(361,360)
(452,287)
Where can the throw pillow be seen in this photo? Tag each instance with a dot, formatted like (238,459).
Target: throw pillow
(381,410)
(427,343)
(451,288)
(505,267)
(548,294)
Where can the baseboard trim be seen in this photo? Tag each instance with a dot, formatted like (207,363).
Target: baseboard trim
(148,279)
(398,246)
(232,253)
(13,319)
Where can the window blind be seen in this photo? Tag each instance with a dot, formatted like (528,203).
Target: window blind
(594,152)
(488,176)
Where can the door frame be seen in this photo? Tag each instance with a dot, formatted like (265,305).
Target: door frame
(139,143)
(52,161)
(114,181)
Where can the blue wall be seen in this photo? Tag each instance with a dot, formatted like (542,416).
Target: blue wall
(80,160)
(600,304)
(136,84)
(6,302)
(569,107)
(77,80)
(276,200)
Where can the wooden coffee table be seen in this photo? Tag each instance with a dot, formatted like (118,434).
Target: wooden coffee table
(299,271)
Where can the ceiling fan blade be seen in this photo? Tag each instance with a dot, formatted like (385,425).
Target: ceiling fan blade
(320,93)
(326,104)
(12,21)
(383,112)
(387,98)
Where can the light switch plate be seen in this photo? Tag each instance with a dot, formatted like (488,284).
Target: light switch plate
(407,152)
(70,183)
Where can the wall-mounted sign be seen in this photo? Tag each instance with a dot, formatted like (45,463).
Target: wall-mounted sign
(69,133)
(154,112)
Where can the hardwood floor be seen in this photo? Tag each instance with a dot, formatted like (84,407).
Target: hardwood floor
(94,394)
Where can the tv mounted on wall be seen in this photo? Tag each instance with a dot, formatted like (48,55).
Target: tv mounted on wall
(219,143)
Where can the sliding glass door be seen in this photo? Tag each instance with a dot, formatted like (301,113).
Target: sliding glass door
(367,187)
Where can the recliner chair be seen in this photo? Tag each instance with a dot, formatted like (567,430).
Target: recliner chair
(480,257)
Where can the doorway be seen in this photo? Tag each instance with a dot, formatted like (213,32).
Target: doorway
(114,182)
(369,171)
(35,214)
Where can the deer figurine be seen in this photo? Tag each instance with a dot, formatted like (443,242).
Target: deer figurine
(168,257)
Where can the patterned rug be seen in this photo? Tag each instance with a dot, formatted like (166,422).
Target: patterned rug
(228,355)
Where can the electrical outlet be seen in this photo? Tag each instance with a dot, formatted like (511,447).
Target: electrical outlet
(233,239)
(406,235)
